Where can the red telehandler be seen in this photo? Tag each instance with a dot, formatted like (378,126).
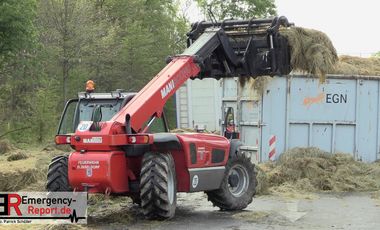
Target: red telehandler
(121,141)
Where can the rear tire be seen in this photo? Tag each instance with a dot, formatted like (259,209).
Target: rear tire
(57,177)
(158,186)
(238,186)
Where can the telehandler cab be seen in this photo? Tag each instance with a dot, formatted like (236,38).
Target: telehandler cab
(121,141)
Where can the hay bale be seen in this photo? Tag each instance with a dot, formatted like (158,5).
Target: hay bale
(311,51)
(17,156)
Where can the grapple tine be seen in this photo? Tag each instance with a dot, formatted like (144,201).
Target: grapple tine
(243,48)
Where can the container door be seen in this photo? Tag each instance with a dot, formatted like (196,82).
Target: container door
(273,116)
(204,104)
(229,103)
(246,106)
(249,120)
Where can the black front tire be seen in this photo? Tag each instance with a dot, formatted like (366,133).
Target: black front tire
(158,186)
(57,177)
(238,186)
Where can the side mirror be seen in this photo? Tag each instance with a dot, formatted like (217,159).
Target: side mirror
(97,114)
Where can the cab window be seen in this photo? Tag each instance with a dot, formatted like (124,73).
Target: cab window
(67,121)
(157,126)
(74,113)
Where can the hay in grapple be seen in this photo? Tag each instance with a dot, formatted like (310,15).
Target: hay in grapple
(311,51)
(258,85)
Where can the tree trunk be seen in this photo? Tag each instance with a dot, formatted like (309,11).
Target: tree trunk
(65,64)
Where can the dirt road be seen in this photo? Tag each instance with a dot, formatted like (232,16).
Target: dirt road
(324,211)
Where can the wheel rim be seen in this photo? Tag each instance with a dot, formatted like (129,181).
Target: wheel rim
(170,187)
(241,185)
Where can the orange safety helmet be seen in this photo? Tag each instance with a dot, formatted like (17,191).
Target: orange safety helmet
(90,86)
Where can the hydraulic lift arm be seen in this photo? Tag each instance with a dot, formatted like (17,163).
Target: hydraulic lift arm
(150,101)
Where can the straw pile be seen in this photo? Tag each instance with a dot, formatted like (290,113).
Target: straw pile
(5,146)
(313,170)
(311,51)
(349,65)
(183,130)
(24,169)
(15,175)
(17,156)
(14,181)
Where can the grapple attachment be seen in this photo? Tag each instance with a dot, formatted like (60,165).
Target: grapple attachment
(243,48)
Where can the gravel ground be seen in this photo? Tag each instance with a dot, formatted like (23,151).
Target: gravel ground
(322,211)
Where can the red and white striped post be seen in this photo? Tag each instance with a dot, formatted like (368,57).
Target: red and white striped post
(272,147)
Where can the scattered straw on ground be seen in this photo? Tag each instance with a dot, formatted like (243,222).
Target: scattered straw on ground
(17,156)
(103,209)
(313,170)
(311,51)
(51,147)
(43,227)
(5,146)
(63,227)
(252,216)
(24,169)
(15,175)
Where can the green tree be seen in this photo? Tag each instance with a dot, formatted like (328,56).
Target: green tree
(43,117)
(20,76)
(18,43)
(16,26)
(150,31)
(225,9)
(66,29)
(118,43)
